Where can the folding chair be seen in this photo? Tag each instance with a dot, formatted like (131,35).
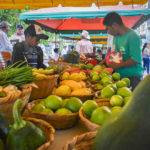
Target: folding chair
(6,58)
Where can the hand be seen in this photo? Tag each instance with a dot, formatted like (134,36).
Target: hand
(114,65)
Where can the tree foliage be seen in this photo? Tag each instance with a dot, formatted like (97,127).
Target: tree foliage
(12,17)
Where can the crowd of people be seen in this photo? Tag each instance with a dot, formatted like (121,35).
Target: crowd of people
(24,47)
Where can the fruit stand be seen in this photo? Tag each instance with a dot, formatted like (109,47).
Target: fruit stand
(65,104)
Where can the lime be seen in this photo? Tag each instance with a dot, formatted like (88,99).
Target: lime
(127,80)
(53,102)
(100,115)
(89,106)
(38,107)
(107,92)
(47,111)
(73,104)
(106,80)
(116,100)
(124,92)
(116,110)
(121,83)
(63,111)
(116,76)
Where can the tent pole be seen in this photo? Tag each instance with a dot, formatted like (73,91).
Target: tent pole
(98,4)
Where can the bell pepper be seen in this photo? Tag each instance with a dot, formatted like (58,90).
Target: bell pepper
(23,135)
(1,145)
(3,128)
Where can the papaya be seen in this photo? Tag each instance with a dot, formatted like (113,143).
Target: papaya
(130,130)
(72,84)
(82,92)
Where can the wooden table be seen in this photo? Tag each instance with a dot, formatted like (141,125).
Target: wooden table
(62,136)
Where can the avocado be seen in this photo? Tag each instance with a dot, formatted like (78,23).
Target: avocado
(130,130)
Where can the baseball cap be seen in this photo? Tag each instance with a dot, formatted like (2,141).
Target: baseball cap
(19,26)
(4,24)
(35,31)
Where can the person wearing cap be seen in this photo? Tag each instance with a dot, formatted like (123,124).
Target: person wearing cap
(128,43)
(84,46)
(5,44)
(28,51)
(19,35)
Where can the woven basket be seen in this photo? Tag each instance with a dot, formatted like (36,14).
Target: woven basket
(45,87)
(6,104)
(103,102)
(57,121)
(82,142)
(47,128)
(82,98)
(86,122)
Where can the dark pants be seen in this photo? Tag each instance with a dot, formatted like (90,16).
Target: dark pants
(146,64)
(134,81)
(103,56)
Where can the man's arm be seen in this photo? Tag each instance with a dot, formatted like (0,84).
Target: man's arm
(17,54)
(40,58)
(127,63)
(135,53)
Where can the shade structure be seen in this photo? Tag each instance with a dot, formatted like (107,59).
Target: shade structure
(21,4)
(82,12)
(73,20)
(94,38)
(94,25)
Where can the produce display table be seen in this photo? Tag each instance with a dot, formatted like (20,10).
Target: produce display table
(62,136)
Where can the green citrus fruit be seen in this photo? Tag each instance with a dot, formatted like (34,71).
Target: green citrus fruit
(116,76)
(100,115)
(73,104)
(53,102)
(47,111)
(121,83)
(63,111)
(89,106)
(127,80)
(124,92)
(38,107)
(116,100)
(107,92)
(116,110)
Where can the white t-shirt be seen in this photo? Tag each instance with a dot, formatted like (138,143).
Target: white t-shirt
(146,51)
(84,46)
(55,56)
(5,44)
(16,37)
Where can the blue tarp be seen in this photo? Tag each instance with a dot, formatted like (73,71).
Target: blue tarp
(84,14)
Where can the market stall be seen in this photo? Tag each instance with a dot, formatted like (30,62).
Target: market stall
(74,106)
(73,20)
(83,100)
(34,4)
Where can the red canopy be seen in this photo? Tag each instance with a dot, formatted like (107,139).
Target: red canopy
(84,24)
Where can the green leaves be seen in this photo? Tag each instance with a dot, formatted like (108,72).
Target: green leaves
(12,17)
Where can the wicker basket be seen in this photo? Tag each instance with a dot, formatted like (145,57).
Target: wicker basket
(47,128)
(82,142)
(6,104)
(57,121)
(82,98)
(86,122)
(103,102)
(45,87)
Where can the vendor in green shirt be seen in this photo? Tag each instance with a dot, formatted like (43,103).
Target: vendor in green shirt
(128,43)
